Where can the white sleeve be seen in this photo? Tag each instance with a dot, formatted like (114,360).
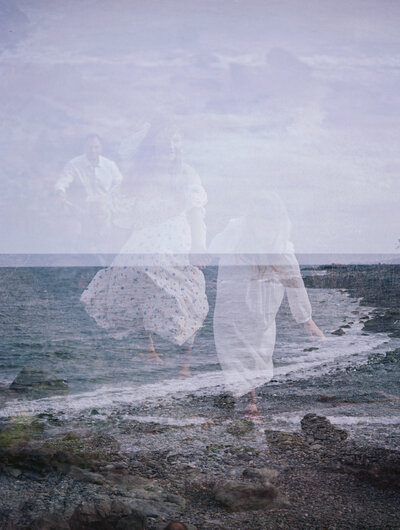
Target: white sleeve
(291,279)
(195,194)
(67,176)
(117,177)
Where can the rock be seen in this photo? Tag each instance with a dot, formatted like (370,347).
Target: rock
(327,399)
(240,427)
(154,502)
(83,475)
(71,436)
(91,452)
(6,394)
(34,383)
(338,332)
(103,442)
(135,521)
(377,465)
(392,356)
(63,455)
(388,322)
(237,496)
(316,447)
(106,514)
(264,475)
(224,401)
(50,522)
(19,431)
(13,472)
(320,428)
(285,440)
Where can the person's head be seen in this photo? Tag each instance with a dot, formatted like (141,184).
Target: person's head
(93,148)
(160,151)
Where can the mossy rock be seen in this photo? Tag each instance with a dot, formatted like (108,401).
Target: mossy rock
(240,427)
(89,452)
(34,384)
(284,439)
(20,430)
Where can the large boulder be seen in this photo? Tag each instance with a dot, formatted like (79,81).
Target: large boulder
(50,522)
(34,383)
(6,395)
(16,433)
(377,465)
(106,514)
(237,495)
(70,454)
(319,428)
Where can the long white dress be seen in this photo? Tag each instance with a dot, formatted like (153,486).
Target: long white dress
(151,283)
(257,266)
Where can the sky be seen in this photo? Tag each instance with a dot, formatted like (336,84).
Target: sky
(297,97)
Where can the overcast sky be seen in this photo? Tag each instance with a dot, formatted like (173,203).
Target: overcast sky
(301,97)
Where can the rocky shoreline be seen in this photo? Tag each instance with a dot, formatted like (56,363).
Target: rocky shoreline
(376,285)
(210,469)
(196,459)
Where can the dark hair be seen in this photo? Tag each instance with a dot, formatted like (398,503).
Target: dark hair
(92,136)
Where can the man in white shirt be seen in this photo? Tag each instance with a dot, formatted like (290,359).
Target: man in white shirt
(88,187)
(97,175)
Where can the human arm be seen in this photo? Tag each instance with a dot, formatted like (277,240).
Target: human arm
(313,330)
(116,175)
(299,302)
(196,199)
(66,178)
(195,217)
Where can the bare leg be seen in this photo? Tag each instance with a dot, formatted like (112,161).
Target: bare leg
(252,413)
(185,370)
(152,351)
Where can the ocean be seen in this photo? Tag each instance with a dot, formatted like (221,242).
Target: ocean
(44,325)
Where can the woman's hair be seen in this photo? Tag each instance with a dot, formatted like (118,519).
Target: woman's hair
(156,146)
(157,160)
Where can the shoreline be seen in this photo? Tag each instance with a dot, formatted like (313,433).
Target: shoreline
(193,458)
(307,479)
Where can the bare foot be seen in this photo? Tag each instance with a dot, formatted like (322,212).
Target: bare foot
(185,372)
(252,413)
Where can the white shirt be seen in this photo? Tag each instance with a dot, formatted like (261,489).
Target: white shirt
(97,181)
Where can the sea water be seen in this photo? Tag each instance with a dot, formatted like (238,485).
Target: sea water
(44,325)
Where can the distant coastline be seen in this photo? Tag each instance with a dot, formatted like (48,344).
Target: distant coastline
(103,260)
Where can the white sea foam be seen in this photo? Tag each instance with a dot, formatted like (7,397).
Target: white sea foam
(332,308)
(292,420)
(114,396)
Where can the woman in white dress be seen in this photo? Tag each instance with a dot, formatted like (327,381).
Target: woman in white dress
(151,283)
(257,266)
